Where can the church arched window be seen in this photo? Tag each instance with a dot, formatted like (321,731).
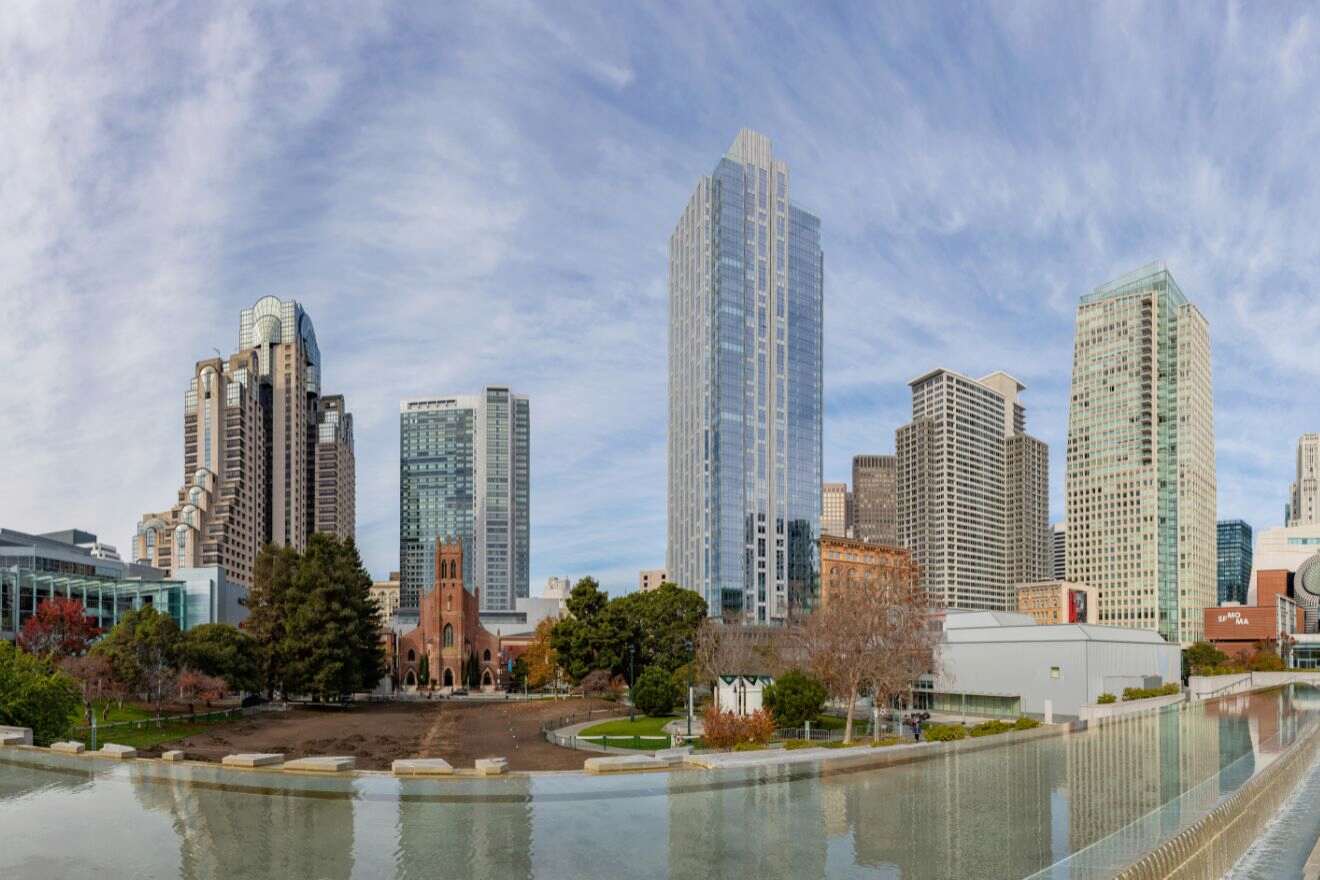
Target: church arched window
(449,635)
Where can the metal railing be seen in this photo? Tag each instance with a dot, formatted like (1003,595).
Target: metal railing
(92,733)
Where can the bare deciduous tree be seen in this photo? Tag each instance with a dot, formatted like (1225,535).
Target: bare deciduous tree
(732,648)
(877,634)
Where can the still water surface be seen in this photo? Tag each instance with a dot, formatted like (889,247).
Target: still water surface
(1074,806)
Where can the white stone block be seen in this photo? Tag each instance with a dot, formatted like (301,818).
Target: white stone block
(68,748)
(7,734)
(624,763)
(172,755)
(114,750)
(250,760)
(491,766)
(421,767)
(675,755)
(335,764)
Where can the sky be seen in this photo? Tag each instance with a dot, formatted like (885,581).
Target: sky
(465,195)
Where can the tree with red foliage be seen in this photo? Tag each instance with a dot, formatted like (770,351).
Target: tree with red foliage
(60,628)
(195,685)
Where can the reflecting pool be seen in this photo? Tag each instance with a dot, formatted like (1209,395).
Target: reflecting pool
(1074,806)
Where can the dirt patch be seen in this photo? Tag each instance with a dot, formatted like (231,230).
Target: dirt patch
(377,733)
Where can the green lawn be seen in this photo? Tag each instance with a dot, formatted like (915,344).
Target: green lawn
(145,737)
(151,736)
(834,722)
(623,729)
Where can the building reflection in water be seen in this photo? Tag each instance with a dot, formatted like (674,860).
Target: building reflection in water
(225,833)
(1005,811)
(768,828)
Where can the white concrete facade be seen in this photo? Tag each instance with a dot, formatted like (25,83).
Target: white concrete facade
(1070,665)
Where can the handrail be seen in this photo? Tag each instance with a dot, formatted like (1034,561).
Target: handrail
(1220,690)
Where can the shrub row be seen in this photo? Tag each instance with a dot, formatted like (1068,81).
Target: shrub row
(1167,690)
(951,732)
(725,730)
(1106,699)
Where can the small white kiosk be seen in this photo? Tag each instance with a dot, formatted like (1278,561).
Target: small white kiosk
(740,694)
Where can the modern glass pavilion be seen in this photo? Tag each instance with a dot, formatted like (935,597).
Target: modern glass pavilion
(105,599)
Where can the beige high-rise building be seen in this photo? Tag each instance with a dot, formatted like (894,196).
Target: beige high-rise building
(651,579)
(835,509)
(1140,489)
(875,499)
(266,458)
(1057,601)
(386,596)
(335,501)
(1304,497)
(973,489)
(1027,509)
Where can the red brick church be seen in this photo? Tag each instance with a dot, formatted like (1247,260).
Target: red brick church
(449,632)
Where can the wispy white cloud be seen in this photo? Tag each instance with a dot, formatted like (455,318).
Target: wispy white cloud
(473,195)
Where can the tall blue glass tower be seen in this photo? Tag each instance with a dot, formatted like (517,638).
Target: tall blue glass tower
(746,286)
(1234,560)
(464,475)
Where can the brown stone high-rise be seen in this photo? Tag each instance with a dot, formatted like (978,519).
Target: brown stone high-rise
(875,498)
(266,457)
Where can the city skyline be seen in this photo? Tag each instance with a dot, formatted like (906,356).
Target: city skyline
(963,221)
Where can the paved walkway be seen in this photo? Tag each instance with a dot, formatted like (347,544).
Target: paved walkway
(565,734)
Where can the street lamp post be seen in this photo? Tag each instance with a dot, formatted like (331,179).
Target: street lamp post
(688,644)
(632,681)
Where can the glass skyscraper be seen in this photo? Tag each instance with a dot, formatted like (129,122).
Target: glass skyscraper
(464,474)
(746,284)
(1234,560)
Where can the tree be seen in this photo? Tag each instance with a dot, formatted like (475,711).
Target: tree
(876,635)
(143,652)
(795,698)
(586,600)
(594,636)
(1203,655)
(93,675)
(270,602)
(733,648)
(223,651)
(518,674)
(654,692)
(60,628)
(661,624)
(596,682)
(330,642)
(36,695)
(473,671)
(424,670)
(195,686)
(540,657)
(1265,659)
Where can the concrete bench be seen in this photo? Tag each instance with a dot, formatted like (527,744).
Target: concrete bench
(624,763)
(250,760)
(68,748)
(491,766)
(421,767)
(336,764)
(114,750)
(172,755)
